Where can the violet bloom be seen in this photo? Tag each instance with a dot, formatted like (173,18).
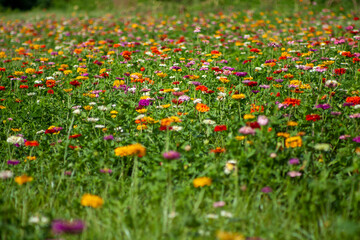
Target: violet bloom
(247,130)
(184,98)
(279,80)
(262,120)
(266,189)
(240,74)
(171,155)
(356,139)
(109,137)
(264,86)
(73,227)
(294,161)
(13,162)
(323,106)
(144,102)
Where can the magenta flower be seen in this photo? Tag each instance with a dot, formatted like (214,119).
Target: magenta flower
(266,189)
(294,161)
(294,174)
(73,227)
(171,155)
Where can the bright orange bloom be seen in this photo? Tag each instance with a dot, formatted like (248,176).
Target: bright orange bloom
(255,108)
(202,181)
(292,101)
(202,107)
(23,179)
(218,150)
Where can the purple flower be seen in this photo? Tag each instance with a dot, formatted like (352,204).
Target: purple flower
(266,189)
(171,155)
(73,227)
(13,162)
(240,74)
(323,106)
(294,161)
(109,137)
(356,139)
(144,102)
(335,113)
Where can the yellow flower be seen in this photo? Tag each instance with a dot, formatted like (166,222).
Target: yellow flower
(248,116)
(240,138)
(23,179)
(68,90)
(229,236)
(141,127)
(292,124)
(30,71)
(202,181)
(162,75)
(143,110)
(67,72)
(88,108)
(293,142)
(89,200)
(114,112)
(238,96)
(2,107)
(16,129)
(283,134)
(117,83)
(133,149)
(165,106)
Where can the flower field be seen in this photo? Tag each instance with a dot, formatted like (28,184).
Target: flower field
(238,125)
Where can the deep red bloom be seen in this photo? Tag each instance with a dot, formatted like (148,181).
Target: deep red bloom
(2,88)
(75,83)
(164,128)
(220,128)
(50,131)
(50,91)
(313,117)
(340,71)
(253,125)
(252,84)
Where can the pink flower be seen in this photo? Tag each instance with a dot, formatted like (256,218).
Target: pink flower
(247,130)
(262,120)
(294,174)
(218,204)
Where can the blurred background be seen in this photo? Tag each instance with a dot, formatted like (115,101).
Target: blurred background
(164,5)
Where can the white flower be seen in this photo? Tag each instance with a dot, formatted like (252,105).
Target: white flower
(177,128)
(99,126)
(102,108)
(49,78)
(140,117)
(15,140)
(38,81)
(212,216)
(226,214)
(31,94)
(258,68)
(209,121)
(119,129)
(221,94)
(173,214)
(92,103)
(93,119)
(40,132)
(77,111)
(229,166)
(198,100)
(6,174)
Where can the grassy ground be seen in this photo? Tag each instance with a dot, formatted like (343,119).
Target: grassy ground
(151,197)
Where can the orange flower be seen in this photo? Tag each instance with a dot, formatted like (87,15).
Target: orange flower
(23,179)
(292,101)
(202,181)
(255,108)
(293,142)
(202,107)
(218,150)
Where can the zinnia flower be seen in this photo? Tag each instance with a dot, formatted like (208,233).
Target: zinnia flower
(66,227)
(202,181)
(89,200)
(171,155)
(23,179)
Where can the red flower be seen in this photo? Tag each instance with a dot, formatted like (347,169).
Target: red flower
(220,128)
(252,84)
(313,117)
(50,131)
(24,86)
(164,128)
(50,91)
(340,71)
(2,88)
(253,125)
(74,136)
(75,83)
(32,143)
(254,50)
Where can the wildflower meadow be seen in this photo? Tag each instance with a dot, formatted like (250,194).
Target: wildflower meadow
(229,125)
